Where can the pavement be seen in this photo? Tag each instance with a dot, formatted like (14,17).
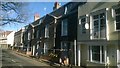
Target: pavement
(40,60)
(53,65)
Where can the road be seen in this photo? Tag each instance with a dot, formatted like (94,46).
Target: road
(13,60)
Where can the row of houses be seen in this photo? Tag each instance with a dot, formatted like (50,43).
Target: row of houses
(87,33)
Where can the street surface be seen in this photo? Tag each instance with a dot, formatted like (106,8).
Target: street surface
(13,60)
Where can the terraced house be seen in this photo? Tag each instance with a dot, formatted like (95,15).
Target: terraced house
(86,33)
(52,33)
(18,39)
(98,34)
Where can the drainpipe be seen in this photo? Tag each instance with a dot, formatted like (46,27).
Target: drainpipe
(54,33)
(75,50)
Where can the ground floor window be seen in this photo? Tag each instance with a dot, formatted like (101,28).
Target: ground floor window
(96,53)
(64,49)
(45,48)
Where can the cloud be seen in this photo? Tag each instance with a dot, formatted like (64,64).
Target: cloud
(45,9)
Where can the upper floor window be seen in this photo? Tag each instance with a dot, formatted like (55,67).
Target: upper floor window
(64,28)
(66,9)
(117,18)
(29,37)
(82,22)
(99,25)
(37,34)
(40,21)
(47,31)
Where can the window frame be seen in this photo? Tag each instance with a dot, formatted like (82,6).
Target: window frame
(64,30)
(47,31)
(98,12)
(64,48)
(29,35)
(65,9)
(37,34)
(101,54)
(114,16)
(45,51)
(80,23)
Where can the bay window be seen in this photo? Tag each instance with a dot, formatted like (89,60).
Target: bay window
(117,18)
(99,25)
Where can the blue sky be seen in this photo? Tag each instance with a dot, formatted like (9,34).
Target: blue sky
(42,8)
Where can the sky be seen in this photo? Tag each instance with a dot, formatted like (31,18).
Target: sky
(42,8)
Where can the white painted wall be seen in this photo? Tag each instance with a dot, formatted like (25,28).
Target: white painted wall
(10,38)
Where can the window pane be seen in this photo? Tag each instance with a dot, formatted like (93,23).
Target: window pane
(95,17)
(64,27)
(102,23)
(102,15)
(65,48)
(118,25)
(96,29)
(117,11)
(96,53)
(118,18)
(103,58)
(47,30)
(83,20)
(45,48)
(102,28)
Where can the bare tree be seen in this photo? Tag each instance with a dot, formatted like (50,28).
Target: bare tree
(13,12)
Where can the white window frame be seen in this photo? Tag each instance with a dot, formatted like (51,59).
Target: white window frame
(92,24)
(63,29)
(80,23)
(114,16)
(45,48)
(91,54)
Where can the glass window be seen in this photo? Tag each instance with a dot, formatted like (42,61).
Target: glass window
(99,25)
(47,31)
(83,22)
(29,36)
(117,18)
(96,53)
(45,48)
(66,9)
(64,28)
(37,34)
(64,48)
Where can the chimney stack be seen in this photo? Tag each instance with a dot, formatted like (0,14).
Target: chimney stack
(56,5)
(36,16)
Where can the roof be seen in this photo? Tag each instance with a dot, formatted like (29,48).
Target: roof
(5,33)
